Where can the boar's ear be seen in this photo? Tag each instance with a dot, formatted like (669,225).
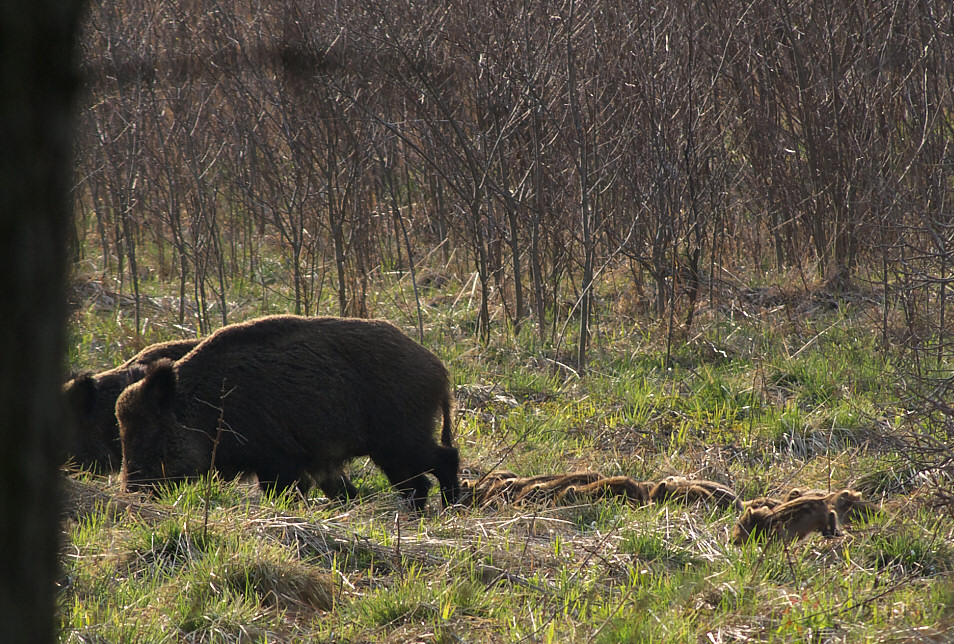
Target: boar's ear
(81,393)
(136,373)
(159,386)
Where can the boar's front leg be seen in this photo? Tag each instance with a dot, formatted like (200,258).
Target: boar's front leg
(338,487)
(276,482)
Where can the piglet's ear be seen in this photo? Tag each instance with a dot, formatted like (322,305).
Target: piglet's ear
(159,386)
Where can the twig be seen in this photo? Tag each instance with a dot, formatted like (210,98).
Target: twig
(397,543)
(812,341)
(220,427)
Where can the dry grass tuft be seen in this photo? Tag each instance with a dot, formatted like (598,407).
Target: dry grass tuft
(287,585)
(88,497)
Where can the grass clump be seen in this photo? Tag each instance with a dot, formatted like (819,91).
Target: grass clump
(909,552)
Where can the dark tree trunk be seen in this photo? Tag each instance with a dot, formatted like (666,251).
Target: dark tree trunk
(37,82)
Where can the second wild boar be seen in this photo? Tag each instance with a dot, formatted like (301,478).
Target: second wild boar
(292,399)
(91,404)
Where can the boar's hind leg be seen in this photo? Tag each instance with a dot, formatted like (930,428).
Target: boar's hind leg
(446,464)
(405,478)
(406,470)
(443,464)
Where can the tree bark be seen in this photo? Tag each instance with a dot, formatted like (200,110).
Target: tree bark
(37,82)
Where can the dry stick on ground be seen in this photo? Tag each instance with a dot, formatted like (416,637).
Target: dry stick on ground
(814,339)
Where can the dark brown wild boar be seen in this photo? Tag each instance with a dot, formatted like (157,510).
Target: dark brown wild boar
(91,399)
(290,399)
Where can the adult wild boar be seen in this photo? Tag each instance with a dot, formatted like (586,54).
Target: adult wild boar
(292,399)
(92,398)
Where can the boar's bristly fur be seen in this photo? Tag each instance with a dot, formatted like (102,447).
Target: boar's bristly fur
(292,399)
(92,398)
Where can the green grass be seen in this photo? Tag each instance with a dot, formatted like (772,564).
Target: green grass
(754,402)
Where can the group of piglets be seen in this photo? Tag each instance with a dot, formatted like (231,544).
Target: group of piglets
(794,516)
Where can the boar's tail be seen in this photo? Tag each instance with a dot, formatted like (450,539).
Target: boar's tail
(446,431)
